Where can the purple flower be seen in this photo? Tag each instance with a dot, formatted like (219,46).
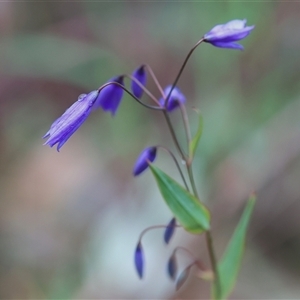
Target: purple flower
(225,35)
(172,266)
(169,230)
(110,96)
(141,76)
(174,99)
(139,260)
(62,129)
(183,277)
(141,163)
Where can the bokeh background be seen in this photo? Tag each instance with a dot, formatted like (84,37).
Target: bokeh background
(69,221)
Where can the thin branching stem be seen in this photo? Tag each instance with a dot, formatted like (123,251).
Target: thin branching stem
(128,92)
(177,165)
(173,134)
(149,69)
(168,97)
(181,70)
(151,96)
(152,228)
(198,262)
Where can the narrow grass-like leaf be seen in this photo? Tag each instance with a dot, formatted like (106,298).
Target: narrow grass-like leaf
(230,263)
(195,140)
(187,209)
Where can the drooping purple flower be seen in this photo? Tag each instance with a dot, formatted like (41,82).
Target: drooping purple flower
(140,75)
(110,96)
(139,260)
(225,35)
(183,277)
(170,231)
(141,164)
(63,127)
(174,99)
(172,266)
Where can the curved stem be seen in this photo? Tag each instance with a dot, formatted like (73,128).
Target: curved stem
(128,92)
(149,69)
(181,70)
(173,134)
(198,262)
(168,96)
(143,88)
(177,165)
(151,228)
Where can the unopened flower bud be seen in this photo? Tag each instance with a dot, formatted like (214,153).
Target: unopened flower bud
(172,266)
(140,75)
(170,230)
(141,164)
(110,97)
(183,277)
(139,260)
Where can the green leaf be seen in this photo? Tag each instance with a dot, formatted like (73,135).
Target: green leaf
(229,265)
(187,209)
(195,141)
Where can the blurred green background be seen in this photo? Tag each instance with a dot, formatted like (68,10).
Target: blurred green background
(69,221)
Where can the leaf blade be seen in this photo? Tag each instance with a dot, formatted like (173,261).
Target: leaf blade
(187,209)
(229,265)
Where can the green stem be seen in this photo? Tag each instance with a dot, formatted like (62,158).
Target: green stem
(174,135)
(209,240)
(181,70)
(192,180)
(177,165)
(212,256)
(143,88)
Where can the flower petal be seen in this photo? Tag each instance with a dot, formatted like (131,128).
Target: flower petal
(228,45)
(141,164)
(170,230)
(63,127)
(110,97)
(140,75)
(227,33)
(139,260)
(174,99)
(235,24)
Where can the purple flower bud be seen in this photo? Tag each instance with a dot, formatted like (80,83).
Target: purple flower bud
(110,96)
(62,128)
(139,260)
(172,266)
(170,230)
(141,163)
(183,277)
(141,76)
(174,99)
(225,35)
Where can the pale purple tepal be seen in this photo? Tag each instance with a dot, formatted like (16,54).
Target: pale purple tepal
(225,35)
(62,128)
